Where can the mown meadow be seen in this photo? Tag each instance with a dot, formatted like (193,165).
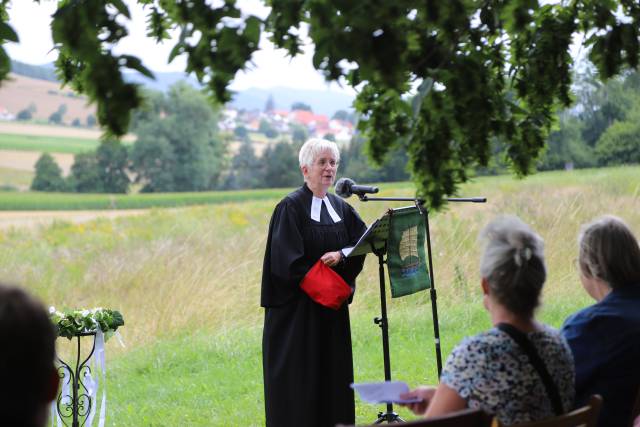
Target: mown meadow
(187,281)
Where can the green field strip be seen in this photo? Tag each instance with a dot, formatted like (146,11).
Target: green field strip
(33,201)
(51,144)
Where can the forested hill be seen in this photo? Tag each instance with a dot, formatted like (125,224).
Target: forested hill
(321,101)
(41,72)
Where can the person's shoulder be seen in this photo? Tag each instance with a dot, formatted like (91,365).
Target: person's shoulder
(473,352)
(288,207)
(586,316)
(549,335)
(292,199)
(297,194)
(547,331)
(482,342)
(553,345)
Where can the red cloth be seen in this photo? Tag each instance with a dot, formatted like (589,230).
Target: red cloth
(325,286)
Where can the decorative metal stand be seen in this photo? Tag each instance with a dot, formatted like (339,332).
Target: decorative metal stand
(76,405)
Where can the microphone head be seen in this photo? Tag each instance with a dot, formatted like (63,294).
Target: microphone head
(343,187)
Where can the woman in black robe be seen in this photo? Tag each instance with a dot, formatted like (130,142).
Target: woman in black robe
(306,347)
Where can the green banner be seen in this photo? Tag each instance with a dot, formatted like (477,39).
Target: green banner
(406,260)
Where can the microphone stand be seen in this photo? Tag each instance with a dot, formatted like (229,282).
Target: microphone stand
(390,416)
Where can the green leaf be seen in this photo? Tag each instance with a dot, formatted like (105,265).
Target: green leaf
(136,64)
(122,8)
(5,64)
(7,33)
(252,30)
(177,50)
(118,320)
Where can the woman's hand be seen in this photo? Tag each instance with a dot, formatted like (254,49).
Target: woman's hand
(423,392)
(331,258)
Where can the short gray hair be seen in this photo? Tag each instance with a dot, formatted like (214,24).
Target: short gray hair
(513,264)
(310,150)
(609,251)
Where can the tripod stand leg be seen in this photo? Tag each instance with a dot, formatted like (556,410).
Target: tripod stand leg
(382,320)
(389,417)
(434,305)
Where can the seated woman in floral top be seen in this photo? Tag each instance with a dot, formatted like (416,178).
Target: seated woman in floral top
(491,371)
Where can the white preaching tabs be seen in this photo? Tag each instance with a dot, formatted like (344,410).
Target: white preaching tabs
(316,206)
(384,392)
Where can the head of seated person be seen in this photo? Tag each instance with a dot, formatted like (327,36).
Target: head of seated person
(512,269)
(28,377)
(608,258)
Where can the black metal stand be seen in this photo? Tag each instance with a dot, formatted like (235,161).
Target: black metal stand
(432,292)
(389,416)
(76,406)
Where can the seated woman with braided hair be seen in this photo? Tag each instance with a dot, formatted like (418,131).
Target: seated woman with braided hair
(520,370)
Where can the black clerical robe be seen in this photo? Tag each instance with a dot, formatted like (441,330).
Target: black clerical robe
(306,347)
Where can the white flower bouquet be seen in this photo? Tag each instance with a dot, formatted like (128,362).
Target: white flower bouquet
(76,322)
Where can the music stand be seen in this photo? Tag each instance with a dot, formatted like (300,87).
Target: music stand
(375,240)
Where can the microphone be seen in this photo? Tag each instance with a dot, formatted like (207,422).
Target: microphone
(345,187)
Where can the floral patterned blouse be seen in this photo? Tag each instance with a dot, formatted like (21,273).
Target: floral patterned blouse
(492,373)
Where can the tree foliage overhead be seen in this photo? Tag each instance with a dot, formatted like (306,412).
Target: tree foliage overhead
(484,69)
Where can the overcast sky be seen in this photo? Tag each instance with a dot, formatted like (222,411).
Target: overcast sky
(270,67)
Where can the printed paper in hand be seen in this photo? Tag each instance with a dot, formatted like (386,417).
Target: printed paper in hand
(383,392)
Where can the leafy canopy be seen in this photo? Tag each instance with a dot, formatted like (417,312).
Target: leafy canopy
(483,69)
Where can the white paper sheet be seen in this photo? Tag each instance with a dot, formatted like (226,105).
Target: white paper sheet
(347,251)
(383,392)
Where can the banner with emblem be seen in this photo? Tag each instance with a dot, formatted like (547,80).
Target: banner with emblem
(406,260)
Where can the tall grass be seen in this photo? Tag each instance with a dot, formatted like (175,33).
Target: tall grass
(188,282)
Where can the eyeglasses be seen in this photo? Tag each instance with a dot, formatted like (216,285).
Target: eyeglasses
(331,162)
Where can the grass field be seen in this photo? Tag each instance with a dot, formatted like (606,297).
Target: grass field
(188,282)
(51,144)
(28,201)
